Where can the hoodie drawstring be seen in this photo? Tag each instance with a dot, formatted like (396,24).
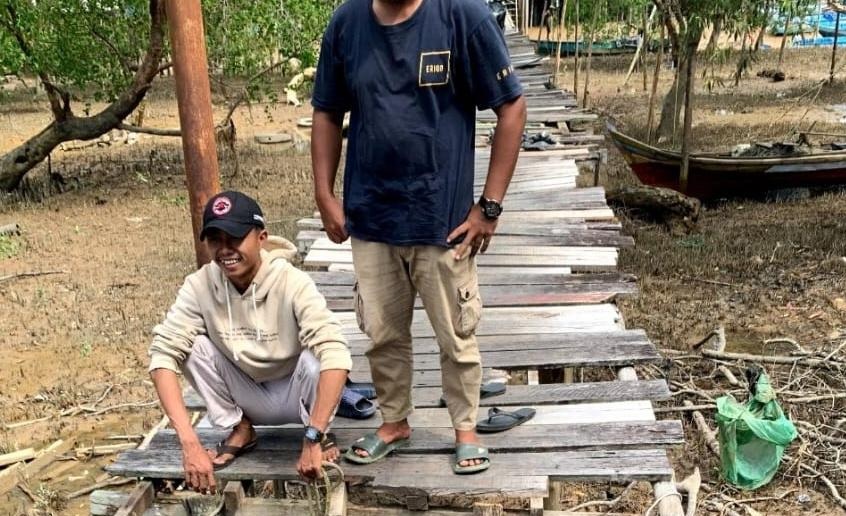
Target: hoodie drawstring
(229,312)
(255,312)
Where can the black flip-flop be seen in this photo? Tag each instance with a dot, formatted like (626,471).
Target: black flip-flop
(499,420)
(355,406)
(486,390)
(236,451)
(366,389)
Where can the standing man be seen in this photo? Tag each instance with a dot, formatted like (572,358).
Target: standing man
(253,336)
(412,73)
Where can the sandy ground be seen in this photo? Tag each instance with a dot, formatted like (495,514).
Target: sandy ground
(114,221)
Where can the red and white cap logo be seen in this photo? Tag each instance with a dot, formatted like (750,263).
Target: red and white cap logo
(221,206)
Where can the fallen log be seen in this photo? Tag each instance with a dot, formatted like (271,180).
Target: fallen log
(10,229)
(662,203)
(17,456)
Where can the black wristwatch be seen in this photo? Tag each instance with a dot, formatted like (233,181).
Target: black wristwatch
(313,435)
(491,208)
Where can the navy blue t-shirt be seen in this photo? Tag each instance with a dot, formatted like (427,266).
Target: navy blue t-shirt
(412,90)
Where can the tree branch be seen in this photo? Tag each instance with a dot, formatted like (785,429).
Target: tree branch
(17,162)
(242,96)
(127,68)
(149,130)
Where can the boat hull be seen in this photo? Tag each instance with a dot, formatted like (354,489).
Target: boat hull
(711,177)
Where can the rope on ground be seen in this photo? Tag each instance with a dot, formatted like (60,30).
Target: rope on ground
(319,503)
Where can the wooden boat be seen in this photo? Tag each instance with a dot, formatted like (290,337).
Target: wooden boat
(713,176)
(605,47)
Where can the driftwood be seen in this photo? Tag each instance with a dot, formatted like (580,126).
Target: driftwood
(29,275)
(705,430)
(691,485)
(17,456)
(10,229)
(13,475)
(660,204)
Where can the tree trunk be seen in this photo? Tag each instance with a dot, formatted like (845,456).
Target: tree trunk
(17,162)
(760,40)
(673,100)
(658,61)
(715,35)
(562,15)
(784,39)
(688,114)
(576,64)
(586,97)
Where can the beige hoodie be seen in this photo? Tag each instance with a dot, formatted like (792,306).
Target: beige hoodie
(262,330)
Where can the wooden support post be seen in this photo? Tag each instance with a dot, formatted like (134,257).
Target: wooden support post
(487,509)
(233,498)
(536,507)
(140,499)
(338,500)
(193,96)
(669,500)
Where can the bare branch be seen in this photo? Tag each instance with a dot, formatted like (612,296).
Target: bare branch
(149,130)
(127,67)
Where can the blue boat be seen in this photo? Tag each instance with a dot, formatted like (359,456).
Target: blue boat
(828,21)
(799,41)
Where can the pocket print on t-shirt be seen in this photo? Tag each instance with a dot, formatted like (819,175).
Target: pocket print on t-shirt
(434,68)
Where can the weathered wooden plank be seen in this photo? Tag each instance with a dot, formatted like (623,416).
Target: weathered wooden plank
(540,272)
(139,500)
(558,394)
(512,298)
(503,277)
(530,235)
(523,438)
(602,465)
(578,259)
(498,248)
(516,321)
(506,294)
(535,395)
(537,359)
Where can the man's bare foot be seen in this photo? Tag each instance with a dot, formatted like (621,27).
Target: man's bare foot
(331,454)
(242,434)
(390,432)
(467,437)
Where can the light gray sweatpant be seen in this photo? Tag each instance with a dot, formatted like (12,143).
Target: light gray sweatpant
(230,393)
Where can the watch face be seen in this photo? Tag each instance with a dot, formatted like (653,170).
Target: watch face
(492,209)
(312,434)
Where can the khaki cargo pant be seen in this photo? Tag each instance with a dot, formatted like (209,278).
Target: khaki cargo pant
(388,278)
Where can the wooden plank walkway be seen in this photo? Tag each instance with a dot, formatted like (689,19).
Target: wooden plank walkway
(548,282)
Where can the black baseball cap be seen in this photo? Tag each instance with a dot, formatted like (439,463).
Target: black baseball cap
(232,212)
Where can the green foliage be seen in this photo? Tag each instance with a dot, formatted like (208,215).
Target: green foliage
(9,247)
(244,36)
(91,48)
(77,44)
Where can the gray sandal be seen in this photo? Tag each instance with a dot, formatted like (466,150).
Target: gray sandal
(376,449)
(466,451)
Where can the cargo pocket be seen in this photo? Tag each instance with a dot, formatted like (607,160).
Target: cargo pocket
(469,310)
(358,307)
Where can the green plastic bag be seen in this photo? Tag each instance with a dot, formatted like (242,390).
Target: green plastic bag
(753,436)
